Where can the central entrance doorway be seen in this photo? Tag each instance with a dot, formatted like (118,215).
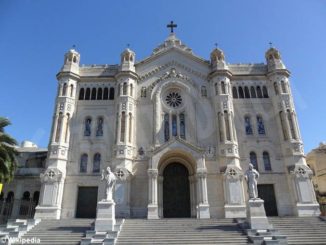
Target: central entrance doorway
(176,191)
(86,202)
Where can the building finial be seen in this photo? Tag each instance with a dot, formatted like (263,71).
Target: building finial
(270,44)
(216,45)
(171,26)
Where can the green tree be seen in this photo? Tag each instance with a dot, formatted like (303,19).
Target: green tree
(7,153)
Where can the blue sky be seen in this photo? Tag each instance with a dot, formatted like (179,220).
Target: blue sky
(35,34)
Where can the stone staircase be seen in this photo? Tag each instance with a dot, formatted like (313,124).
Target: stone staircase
(63,232)
(301,230)
(180,231)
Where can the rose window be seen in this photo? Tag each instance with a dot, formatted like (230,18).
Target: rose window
(173,99)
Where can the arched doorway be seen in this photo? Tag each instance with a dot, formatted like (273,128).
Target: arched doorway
(176,191)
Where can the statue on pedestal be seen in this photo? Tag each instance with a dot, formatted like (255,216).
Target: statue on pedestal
(110,178)
(251,177)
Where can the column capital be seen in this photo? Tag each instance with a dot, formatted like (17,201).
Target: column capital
(152,172)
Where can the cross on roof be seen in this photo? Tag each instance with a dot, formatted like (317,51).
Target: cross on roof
(216,45)
(171,26)
(270,44)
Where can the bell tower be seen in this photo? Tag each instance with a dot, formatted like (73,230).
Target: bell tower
(53,178)
(299,173)
(227,146)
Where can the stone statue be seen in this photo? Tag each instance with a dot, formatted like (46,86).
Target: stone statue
(251,177)
(110,182)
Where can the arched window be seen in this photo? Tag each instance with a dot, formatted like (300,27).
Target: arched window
(111,94)
(234,92)
(143,92)
(265,92)
(124,88)
(123,127)
(276,88)
(223,88)
(10,196)
(99,94)
(83,163)
(227,125)
(71,90)
(130,127)
(247,94)
(99,127)
(67,127)
(203,91)
(24,203)
(88,126)
(174,125)
(26,195)
(88,94)
(59,127)
(283,125)
(267,161)
(64,89)
(81,94)
(93,94)
(283,85)
(248,126)
(291,124)
(253,92)
(131,90)
(97,163)
(259,93)
(182,126)
(166,127)
(106,94)
(241,94)
(216,89)
(260,125)
(253,159)
(220,120)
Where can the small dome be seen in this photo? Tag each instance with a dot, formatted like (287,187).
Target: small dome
(272,53)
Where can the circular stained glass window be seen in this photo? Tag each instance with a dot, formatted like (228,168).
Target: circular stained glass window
(173,99)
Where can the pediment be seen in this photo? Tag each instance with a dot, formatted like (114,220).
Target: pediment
(179,144)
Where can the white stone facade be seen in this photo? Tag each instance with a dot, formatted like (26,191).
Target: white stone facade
(211,117)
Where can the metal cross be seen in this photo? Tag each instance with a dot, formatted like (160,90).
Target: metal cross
(270,44)
(171,25)
(216,45)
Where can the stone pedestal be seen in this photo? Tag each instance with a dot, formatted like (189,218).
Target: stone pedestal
(105,216)
(203,211)
(256,215)
(152,212)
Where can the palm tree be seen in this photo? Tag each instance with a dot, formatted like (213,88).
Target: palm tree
(7,153)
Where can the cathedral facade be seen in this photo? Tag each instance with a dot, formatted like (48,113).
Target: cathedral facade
(178,131)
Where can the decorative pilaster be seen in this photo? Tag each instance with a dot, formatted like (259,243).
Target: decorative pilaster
(203,206)
(152,194)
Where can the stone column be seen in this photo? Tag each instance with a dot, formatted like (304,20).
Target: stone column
(203,206)
(230,126)
(233,190)
(192,183)
(152,194)
(160,196)
(119,127)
